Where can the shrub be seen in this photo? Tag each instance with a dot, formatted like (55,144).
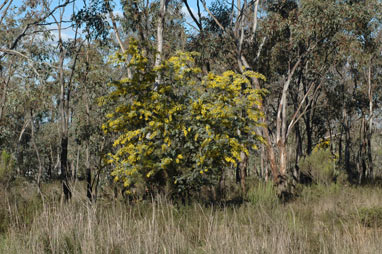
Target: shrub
(181,133)
(320,166)
(371,217)
(264,193)
(6,166)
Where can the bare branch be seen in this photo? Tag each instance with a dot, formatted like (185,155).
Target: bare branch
(25,125)
(23,33)
(3,4)
(115,28)
(304,111)
(281,112)
(212,15)
(199,13)
(295,115)
(48,30)
(14,52)
(52,23)
(6,9)
(198,23)
(260,48)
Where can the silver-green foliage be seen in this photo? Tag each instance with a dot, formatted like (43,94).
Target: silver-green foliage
(6,165)
(263,194)
(320,165)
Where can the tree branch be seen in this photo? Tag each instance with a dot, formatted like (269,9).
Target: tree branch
(212,15)
(23,33)
(6,9)
(198,23)
(295,116)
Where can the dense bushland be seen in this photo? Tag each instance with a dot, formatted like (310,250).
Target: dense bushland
(146,126)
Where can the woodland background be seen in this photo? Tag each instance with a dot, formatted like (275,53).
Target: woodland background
(272,126)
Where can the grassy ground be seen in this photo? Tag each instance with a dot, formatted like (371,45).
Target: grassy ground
(323,219)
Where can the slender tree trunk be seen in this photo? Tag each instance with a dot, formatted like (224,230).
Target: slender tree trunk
(64,120)
(340,156)
(263,168)
(331,138)
(65,93)
(369,155)
(64,168)
(271,155)
(243,171)
(309,134)
(89,192)
(4,91)
(117,35)
(281,123)
(347,150)
(269,144)
(298,150)
(160,28)
(221,186)
(238,174)
(364,150)
(359,156)
(89,186)
(298,143)
(50,165)
(3,98)
(40,167)
(370,127)
(254,22)
(76,167)
(283,158)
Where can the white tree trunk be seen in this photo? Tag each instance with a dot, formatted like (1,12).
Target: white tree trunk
(160,28)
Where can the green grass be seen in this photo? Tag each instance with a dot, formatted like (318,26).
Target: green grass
(323,219)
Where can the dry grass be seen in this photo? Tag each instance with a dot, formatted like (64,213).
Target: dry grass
(321,220)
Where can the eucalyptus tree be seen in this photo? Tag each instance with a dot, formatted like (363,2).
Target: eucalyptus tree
(19,23)
(295,45)
(313,35)
(26,68)
(356,68)
(90,144)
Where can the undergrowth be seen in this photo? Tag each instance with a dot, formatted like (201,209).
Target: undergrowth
(323,219)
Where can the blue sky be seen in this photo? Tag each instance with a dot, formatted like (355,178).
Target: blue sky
(79,5)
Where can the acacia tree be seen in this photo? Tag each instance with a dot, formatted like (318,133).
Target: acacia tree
(186,130)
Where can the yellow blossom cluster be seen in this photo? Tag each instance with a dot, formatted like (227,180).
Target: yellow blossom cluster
(186,128)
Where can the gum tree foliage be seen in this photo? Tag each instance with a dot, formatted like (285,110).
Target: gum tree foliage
(94,18)
(140,19)
(181,133)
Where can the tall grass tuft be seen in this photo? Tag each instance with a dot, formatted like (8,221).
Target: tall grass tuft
(263,194)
